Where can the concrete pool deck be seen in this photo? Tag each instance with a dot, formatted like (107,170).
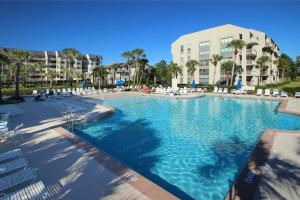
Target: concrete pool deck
(71,172)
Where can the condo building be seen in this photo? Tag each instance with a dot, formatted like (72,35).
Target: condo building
(56,60)
(202,45)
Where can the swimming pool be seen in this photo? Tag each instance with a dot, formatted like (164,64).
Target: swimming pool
(194,148)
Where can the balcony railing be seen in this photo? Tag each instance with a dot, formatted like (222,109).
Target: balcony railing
(251,52)
(249,73)
(265,73)
(251,62)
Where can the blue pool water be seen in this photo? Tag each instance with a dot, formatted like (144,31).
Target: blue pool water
(194,148)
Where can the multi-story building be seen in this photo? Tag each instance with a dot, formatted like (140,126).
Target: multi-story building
(56,60)
(202,45)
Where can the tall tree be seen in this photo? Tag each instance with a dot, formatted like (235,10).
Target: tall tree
(78,76)
(227,67)
(285,65)
(138,55)
(115,67)
(142,67)
(129,56)
(40,68)
(262,62)
(4,60)
(191,65)
(19,57)
(174,69)
(100,72)
(216,58)
(71,55)
(161,70)
(236,45)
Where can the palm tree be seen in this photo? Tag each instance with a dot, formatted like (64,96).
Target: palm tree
(128,55)
(227,67)
(142,65)
(174,69)
(19,57)
(40,68)
(262,64)
(101,73)
(115,67)
(138,54)
(71,55)
(78,76)
(51,74)
(214,60)
(191,65)
(236,45)
(3,61)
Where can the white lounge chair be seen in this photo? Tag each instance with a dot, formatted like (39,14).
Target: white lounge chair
(259,92)
(15,153)
(284,94)
(225,90)
(220,90)
(3,124)
(297,94)
(275,92)
(215,89)
(17,178)
(32,192)
(34,92)
(267,92)
(13,165)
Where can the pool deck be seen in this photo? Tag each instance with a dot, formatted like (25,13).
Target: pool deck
(73,169)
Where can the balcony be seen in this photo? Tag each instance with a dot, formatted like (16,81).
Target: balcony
(251,62)
(265,73)
(249,73)
(251,52)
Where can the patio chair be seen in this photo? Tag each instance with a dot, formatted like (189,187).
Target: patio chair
(284,94)
(34,92)
(17,178)
(13,165)
(297,94)
(225,90)
(220,90)
(215,89)
(32,192)
(275,92)
(64,92)
(3,124)
(259,92)
(15,153)
(267,92)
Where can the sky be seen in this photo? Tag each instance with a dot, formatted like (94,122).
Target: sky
(112,27)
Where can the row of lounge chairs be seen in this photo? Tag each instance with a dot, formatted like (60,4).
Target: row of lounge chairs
(176,91)
(267,92)
(15,172)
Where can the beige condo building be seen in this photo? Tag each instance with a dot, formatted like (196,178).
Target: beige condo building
(202,45)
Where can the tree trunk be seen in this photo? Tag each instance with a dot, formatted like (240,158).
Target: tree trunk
(214,75)
(233,69)
(227,79)
(17,94)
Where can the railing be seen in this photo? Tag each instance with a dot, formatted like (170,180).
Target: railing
(249,73)
(251,51)
(251,62)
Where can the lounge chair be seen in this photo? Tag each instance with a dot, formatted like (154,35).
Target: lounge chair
(225,90)
(17,178)
(220,90)
(3,124)
(13,165)
(215,89)
(34,92)
(267,92)
(15,153)
(259,92)
(34,191)
(275,92)
(284,94)
(297,94)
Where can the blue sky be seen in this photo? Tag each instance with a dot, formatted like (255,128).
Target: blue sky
(110,28)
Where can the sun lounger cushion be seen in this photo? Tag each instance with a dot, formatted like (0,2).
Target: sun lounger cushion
(32,192)
(297,94)
(13,165)
(17,178)
(10,154)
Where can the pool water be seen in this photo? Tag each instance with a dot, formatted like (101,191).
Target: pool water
(194,148)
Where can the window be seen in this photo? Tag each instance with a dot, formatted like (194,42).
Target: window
(225,50)
(181,49)
(189,47)
(204,53)
(241,36)
(204,44)
(204,72)
(203,80)
(204,63)
(226,40)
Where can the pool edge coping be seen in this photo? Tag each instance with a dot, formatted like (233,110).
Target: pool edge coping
(142,184)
